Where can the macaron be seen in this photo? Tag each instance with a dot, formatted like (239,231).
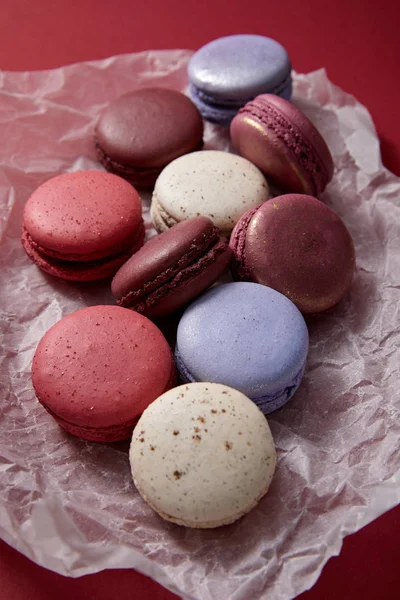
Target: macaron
(98,368)
(82,226)
(210,183)
(202,455)
(172,268)
(140,132)
(246,336)
(298,246)
(278,138)
(227,72)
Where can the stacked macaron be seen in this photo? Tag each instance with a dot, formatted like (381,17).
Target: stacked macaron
(107,373)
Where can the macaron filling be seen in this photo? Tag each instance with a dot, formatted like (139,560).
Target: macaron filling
(140,176)
(283,89)
(133,241)
(76,269)
(171,279)
(293,139)
(267,402)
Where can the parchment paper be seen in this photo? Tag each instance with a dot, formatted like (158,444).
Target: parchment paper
(70,505)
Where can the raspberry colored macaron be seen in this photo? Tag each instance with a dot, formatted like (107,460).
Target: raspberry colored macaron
(246,336)
(172,268)
(144,130)
(278,138)
(225,73)
(298,246)
(98,368)
(82,226)
(202,455)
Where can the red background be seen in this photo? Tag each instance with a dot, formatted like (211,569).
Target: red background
(359,45)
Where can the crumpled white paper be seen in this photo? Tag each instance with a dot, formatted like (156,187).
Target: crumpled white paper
(70,505)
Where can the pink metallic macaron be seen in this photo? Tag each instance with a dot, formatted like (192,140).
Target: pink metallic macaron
(283,143)
(298,246)
(142,131)
(98,368)
(82,226)
(172,268)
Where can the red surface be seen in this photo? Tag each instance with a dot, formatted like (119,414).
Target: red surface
(358,43)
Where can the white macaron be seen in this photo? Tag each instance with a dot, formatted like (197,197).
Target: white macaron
(202,455)
(211,183)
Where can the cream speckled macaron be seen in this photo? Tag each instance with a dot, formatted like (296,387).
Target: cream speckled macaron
(211,183)
(202,455)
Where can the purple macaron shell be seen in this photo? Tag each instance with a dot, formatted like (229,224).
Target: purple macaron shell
(227,72)
(247,336)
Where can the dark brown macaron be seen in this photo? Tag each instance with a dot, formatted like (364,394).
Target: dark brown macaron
(172,268)
(298,246)
(144,130)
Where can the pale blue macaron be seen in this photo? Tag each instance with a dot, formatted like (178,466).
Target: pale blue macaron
(229,71)
(246,336)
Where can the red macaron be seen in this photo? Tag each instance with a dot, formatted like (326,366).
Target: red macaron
(172,268)
(298,246)
(98,368)
(82,226)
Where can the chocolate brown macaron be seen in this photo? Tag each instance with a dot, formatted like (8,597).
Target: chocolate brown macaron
(144,130)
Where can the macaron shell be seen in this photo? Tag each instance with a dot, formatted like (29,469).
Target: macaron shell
(149,127)
(239,67)
(202,455)
(298,246)
(244,335)
(217,185)
(100,367)
(89,214)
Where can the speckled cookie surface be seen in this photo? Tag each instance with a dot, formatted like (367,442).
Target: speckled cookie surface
(98,368)
(211,183)
(202,455)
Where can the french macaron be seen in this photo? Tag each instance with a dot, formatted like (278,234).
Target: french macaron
(172,268)
(82,226)
(298,246)
(142,131)
(209,183)
(98,368)
(246,336)
(202,455)
(277,137)
(227,72)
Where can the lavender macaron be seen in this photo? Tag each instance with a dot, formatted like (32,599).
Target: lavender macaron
(229,71)
(246,336)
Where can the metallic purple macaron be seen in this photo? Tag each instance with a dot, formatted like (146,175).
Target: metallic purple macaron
(283,143)
(227,72)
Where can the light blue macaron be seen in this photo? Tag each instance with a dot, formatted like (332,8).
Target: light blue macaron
(229,71)
(246,336)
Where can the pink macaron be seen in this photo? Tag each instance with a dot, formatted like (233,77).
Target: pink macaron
(98,368)
(283,143)
(298,246)
(82,226)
